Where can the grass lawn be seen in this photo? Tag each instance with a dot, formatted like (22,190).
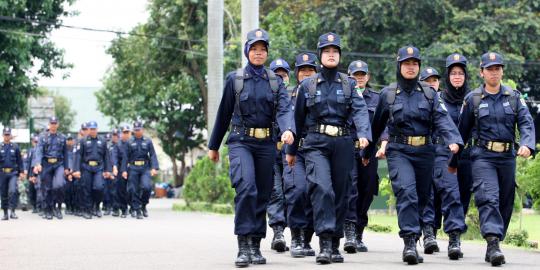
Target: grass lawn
(531,223)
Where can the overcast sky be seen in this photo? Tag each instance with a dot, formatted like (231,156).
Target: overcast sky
(86,50)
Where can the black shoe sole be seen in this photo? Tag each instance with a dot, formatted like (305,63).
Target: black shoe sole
(454,255)
(363,249)
(323,260)
(241,264)
(350,249)
(259,262)
(310,253)
(410,259)
(298,254)
(279,246)
(429,249)
(497,260)
(338,260)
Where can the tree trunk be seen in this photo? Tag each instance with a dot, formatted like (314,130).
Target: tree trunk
(174,171)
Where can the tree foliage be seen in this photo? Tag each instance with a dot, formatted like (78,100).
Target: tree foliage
(24,47)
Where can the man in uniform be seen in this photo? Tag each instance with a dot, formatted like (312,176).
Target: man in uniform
(92,167)
(51,161)
(11,168)
(139,167)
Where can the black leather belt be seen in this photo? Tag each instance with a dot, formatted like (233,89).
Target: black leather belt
(494,146)
(257,133)
(409,140)
(334,131)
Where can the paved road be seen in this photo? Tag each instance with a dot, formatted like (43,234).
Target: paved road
(173,240)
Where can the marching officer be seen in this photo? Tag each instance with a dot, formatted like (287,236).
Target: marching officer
(299,210)
(11,169)
(119,154)
(70,185)
(139,166)
(253,99)
(444,199)
(110,184)
(490,114)
(92,167)
(412,111)
(364,179)
(51,160)
(323,106)
(276,207)
(32,190)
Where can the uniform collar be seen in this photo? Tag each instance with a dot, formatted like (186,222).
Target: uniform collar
(320,78)
(503,91)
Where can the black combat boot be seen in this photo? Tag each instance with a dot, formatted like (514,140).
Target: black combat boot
(144,211)
(124,214)
(278,242)
(98,212)
(454,246)
(435,235)
(115,212)
(494,254)
(57,212)
(6,216)
(255,251)
(336,256)
(242,259)
(325,254)
(297,243)
(49,213)
(410,254)
(87,214)
(13,215)
(139,214)
(350,237)
(430,244)
(107,211)
(308,235)
(360,246)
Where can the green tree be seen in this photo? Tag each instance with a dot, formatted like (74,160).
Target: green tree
(24,45)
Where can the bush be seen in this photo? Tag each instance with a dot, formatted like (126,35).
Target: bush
(517,238)
(209,183)
(379,228)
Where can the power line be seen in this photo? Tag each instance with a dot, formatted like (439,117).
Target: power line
(25,20)
(194,53)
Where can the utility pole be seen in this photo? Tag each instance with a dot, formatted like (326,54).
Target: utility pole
(215,59)
(250,21)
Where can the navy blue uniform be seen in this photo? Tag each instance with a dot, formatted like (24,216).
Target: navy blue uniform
(250,158)
(32,192)
(328,159)
(70,198)
(119,157)
(411,167)
(364,179)
(299,210)
(109,198)
(445,197)
(140,158)
(52,154)
(11,166)
(494,169)
(92,162)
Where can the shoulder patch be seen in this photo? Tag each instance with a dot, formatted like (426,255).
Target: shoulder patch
(483,105)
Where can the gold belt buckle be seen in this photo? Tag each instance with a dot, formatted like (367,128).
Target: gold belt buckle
(260,133)
(139,163)
(52,160)
(7,170)
(279,146)
(416,140)
(498,147)
(357,144)
(93,163)
(331,130)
